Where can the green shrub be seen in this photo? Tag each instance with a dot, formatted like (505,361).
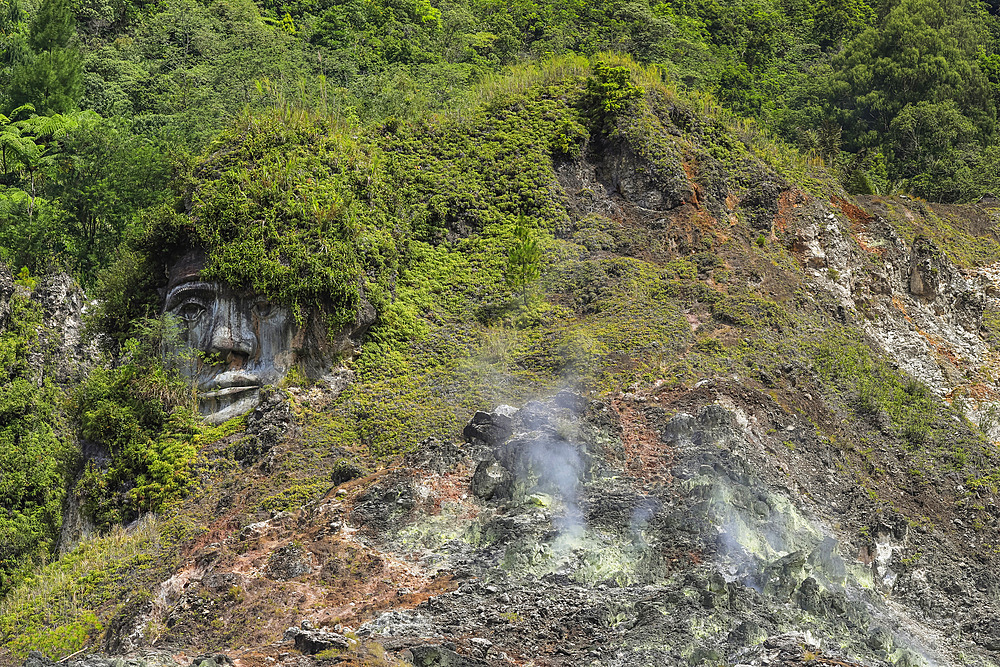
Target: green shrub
(36,459)
(61,640)
(569,139)
(710,346)
(681,269)
(749,310)
(916,433)
(611,89)
(867,400)
(297,211)
(294,497)
(140,413)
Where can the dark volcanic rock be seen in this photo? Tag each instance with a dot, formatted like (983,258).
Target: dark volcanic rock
(438,656)
(266,426)
(491,480)
(221,581)
(211,660)
(436,455)
(37,659)
(288,562)
(490,428)
(312,641)
(126,630)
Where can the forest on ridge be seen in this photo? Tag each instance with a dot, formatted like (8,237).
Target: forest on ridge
(106,104)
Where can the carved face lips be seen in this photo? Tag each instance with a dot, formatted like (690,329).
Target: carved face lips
(228,394)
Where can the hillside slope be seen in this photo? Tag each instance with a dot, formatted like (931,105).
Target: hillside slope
(741,418)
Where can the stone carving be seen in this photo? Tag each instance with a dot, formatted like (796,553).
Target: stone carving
(238,341)
(233,342)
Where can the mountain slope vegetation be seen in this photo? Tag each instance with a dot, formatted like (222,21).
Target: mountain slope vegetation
(691,239)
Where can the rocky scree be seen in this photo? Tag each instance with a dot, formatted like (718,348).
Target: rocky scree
(663,527)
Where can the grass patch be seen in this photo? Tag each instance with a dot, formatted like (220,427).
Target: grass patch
(59,609)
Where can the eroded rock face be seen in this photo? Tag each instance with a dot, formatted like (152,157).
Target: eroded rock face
(908,297)
(127,630)
(64,305)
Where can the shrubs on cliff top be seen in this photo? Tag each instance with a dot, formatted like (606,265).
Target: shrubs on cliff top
(286,206)
(612,89)
(298,211)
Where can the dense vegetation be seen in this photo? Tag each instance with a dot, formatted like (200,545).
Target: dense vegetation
(105,105)
(35,461)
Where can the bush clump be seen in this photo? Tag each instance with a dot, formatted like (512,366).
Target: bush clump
(140,413)
(749,310)
(297,211)
(36,459)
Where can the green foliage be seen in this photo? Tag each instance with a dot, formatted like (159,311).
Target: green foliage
(913,87)
(911,408)
(710,346)
(295,496)
(56,610)
(570,139)
(76,183)
(61,640)
(749,310)
(139,413)
(836,19)
(103,174)
(53,27)
(681,269)
(35,457)
(50,77)
(524,259)
(295,210)
(612,89)
(127,292)
(947,233)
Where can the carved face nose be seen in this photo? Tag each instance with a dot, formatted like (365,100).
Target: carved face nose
(232,336)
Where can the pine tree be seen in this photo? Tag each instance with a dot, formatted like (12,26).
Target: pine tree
(51,78)
(524,260)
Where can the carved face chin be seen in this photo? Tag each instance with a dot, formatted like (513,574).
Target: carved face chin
(232,343)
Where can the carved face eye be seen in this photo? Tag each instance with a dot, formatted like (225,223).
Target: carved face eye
(191,311)
(263,309)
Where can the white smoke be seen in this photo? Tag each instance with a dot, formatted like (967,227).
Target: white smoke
(559,468)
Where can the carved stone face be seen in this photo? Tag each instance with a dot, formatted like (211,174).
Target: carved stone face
(238,341)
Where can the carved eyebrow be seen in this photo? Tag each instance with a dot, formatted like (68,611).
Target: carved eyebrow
(193,286)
